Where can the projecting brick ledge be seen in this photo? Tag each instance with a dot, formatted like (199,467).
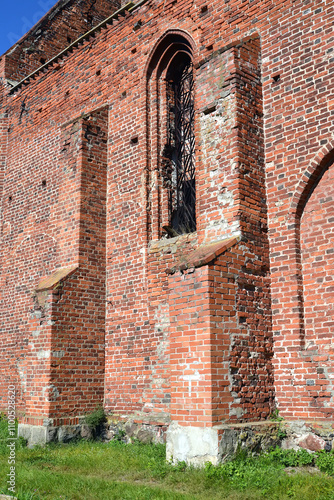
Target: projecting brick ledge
(55,278)
(203,254)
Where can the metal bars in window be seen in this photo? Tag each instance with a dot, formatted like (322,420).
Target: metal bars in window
(180,148)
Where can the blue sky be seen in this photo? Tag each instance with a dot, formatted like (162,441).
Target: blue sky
(17,17)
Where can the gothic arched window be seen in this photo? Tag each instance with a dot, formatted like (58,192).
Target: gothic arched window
(171,122)
(180,145)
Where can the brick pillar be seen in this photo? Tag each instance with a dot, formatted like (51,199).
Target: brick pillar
(77,366)
(65,363)
(199,352)
(191,350)
(220,347)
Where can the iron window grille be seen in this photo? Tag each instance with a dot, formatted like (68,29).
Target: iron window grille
(180,148)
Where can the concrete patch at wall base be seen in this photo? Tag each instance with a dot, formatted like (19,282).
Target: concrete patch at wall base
(33,434)
(193,445)
(197,445)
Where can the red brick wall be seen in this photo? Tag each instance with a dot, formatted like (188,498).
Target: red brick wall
(298,135)
(304,380)
(61,26)
(29,252)
(220,341)
(317,249)
(191,344)
(263,120)
(77,358)
(230,159)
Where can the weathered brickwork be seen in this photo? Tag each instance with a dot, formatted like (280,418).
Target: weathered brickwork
(100,301)
(58,29)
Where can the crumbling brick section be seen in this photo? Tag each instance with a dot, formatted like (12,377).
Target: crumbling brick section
(230,181)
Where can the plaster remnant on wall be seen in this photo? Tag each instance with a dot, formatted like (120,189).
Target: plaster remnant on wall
(161,317)
(37,314)
(143,252)
(42,354)
(221,229)
(196,376)
(225,197)
(213,132)
(237,411)
(215,129)
(50,393)
(58,354)
(143,194)
(6,228)
(162,324)
(22,374)
(155,380)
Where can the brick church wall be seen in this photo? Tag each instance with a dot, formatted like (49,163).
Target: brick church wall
(82,193)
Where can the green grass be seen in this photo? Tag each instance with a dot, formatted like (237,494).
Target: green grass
(96,470)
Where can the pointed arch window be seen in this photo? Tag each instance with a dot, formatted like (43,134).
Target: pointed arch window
(171,133)
(180,146)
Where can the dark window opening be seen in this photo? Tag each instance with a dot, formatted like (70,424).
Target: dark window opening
(180,148)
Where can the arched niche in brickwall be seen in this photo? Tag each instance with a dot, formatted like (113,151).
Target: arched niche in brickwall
(313,208)
(174,45)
